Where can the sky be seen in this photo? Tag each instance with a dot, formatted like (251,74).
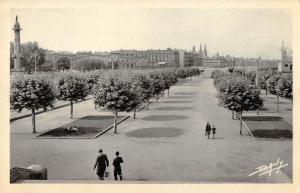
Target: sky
(239,33)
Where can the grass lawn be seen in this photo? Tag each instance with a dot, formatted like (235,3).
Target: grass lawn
(88,126)
(269,127)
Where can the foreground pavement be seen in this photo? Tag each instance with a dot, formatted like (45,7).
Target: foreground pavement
(164,143)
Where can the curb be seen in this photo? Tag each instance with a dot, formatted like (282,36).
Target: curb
(144,106)
(248,129)
(43,111)
(110,127)
(92,137)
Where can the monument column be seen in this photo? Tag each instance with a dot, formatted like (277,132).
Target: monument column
(17,49)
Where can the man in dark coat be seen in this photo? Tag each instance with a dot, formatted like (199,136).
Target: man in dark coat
(207,129)
(213,128)
(117,166)
(101,164)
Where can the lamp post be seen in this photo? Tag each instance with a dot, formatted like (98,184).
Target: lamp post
(36,58)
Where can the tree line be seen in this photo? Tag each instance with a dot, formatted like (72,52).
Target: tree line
(236,93)
(116,90)
(279,84)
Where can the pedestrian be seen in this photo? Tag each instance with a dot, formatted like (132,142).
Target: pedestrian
(213,129)
(117,166)
(207,129)
(101,164)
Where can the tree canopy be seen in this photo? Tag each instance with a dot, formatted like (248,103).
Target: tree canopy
(32,95)
(72,87)
(28,50)
(63,63)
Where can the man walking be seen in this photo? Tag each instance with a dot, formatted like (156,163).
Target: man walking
(207,129)
(101,164)
(213,129)
(117,166)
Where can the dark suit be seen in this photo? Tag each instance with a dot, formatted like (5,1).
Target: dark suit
(117,167)
(207,130)
(101,164)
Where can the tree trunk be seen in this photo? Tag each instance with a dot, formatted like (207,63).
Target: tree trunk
(71,109)
(232,114)
(157,98)
(168,92)
(241,122)
(134,113)
(257,112)
(147,107)
(163,94)
(33,120)
(266,91)
(115,121)
(277,102)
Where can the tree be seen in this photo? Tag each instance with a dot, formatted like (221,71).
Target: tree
(272,86)
(263,78)
(158,84)
(143,86)
(63,63)
(87,64)
(239,95)
(116,95)
(47,66)
(169,79)
(32,95)
(31,53)
(72,88)
(251,75)
(285,86)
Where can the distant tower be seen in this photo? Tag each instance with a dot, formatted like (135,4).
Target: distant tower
(200,51)
(194,49)
(283,53)
(17,48)
(205,51)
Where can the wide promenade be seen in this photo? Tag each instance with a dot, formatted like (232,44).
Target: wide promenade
(164,143)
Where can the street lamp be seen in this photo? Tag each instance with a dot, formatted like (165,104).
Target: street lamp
(36,58)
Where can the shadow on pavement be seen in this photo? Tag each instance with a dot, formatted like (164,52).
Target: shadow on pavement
(170,108)
(218,138)
(164,118)
(177,102)
(184,93)
(181,97)
(155,132)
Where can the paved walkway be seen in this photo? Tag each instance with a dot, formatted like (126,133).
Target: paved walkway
(187,156)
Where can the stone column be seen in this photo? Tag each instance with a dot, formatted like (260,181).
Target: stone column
(17,49)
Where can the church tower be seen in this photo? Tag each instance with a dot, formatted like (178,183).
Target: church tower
(17,48)
(283,54)
(194,50)
(205,51)
(200,51)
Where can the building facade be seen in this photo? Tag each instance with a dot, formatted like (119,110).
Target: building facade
(125,58)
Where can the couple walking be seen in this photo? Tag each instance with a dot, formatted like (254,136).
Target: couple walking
(102,162)
(209,129)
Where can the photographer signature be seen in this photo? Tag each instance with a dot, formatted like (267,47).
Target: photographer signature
(268,169)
